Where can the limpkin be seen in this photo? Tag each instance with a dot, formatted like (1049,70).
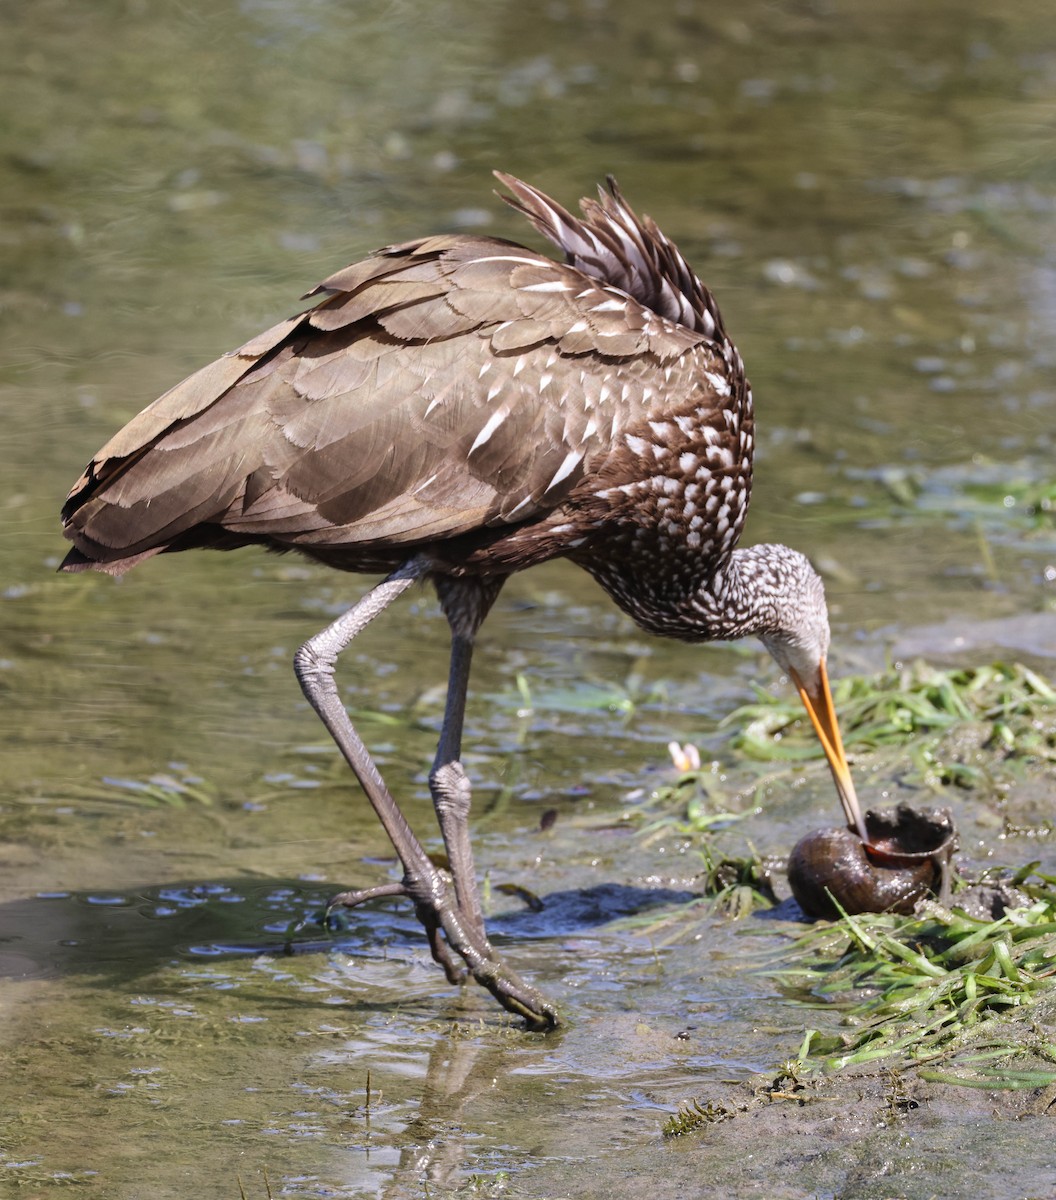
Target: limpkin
(456,409)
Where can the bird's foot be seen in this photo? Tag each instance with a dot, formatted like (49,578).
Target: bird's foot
(485,966)
(430,919)
(516,996)
(351,899)
(448,929)
(426,913)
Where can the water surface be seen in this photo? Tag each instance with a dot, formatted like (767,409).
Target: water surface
(870,193)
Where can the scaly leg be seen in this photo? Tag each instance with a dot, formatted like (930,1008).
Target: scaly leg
(451,790)
(422,882)
(466,601)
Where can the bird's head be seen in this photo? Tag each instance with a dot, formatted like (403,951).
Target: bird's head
(789,615)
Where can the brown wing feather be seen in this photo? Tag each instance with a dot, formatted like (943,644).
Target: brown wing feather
(438,387)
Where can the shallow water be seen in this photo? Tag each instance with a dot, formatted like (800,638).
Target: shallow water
(870,194)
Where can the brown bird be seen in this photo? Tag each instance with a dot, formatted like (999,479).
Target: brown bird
(456,409)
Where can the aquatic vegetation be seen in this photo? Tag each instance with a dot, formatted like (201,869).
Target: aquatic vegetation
(1032,499)
(582,696)
(894,706)
(943,987)
(993,495)
(693,1115)
(267,1186)
(944,997)
(963,727)
(162,790)
(957,995)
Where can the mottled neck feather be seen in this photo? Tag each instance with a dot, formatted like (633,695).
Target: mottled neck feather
(613,244)
(770,592)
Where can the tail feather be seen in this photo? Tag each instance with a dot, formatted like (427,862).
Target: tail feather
(78,560)
(613,244)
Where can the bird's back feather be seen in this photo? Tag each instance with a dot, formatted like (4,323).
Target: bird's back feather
(439,388)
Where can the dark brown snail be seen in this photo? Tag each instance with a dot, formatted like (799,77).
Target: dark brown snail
(906,858)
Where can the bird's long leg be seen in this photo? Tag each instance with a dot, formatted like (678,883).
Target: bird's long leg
(422,882)
(451,790)
(466,601)
(314,664)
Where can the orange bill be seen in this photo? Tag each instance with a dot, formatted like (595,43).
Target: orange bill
(817,700)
